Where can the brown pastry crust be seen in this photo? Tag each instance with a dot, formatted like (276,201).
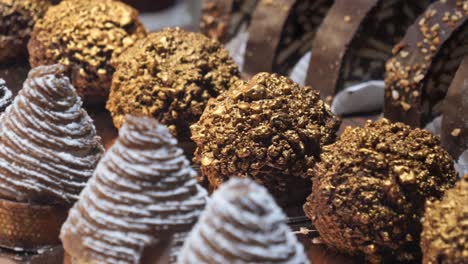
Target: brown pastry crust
(455,118)
(445,227)
(356,39)
(424,63)
(17,19)
(281,32)
(221,20)
(370,188)
(85,35)
(269,129)
(27,226)
(170,75)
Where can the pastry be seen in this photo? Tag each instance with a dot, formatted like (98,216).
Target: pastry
(355,40)
(85,35)
(17,18)
(281,32)
(170,75)
(48,150)
(445,227)
(370,187)
(242,224)
(454,134)
(424,63)
(5,96)
(269,129)
(222,19)
(142,192)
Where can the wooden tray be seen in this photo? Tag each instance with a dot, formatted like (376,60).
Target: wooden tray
(14,76)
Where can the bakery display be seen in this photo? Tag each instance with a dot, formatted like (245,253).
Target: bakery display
(222,19)
(281,32)
(142,192)
(269,129)
(170,75)
(424,63)
(454,134)
(261,139)
(370,187)
(48,150)
(445,227)
(85,35)
(242,224)
(355,41)
(5,96)
(17,19)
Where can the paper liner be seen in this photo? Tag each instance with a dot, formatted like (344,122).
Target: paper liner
(27,227)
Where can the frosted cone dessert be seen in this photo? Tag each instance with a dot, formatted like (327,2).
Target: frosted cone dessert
(48,150)
(242,224)
(142,193)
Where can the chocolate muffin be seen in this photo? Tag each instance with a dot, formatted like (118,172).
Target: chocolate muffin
(170,75)
(142,193)
(17,18)
(5,96)
(85,35)
(242,224)
(370,188)
(269,129)
(445,227)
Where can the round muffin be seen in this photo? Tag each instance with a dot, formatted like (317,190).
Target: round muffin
(85,35)
(370,188)
(445,227)
(269,129)
(170,75)
(17,19)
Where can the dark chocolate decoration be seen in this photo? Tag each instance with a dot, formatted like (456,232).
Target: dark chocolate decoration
(150,5)
(281,32)
(356,39)
(425,62)
(222,20)
(455,113)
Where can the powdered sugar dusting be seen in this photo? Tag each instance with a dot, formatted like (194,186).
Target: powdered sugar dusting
(142,192)
(48,143)
(242,224)
(5,96)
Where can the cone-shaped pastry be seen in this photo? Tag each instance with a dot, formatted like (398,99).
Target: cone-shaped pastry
(5,96)
(445,227)
(142,192)
(242,224)
(48,150)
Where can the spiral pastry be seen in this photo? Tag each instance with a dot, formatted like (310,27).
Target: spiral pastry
(48,143)
(242,224)
(142,192)
(5,96)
